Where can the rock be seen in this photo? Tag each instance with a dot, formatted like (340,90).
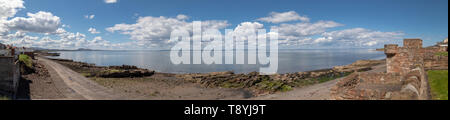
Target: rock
(112,73)
(123,67)
(221,73)
(358,66)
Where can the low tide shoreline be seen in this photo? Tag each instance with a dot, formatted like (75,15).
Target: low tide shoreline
(253,83)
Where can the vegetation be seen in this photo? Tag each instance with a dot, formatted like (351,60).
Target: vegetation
(445,54)
(26,60)
(112,71)
(265,83)
(286,88)
(4,98)
(439,84)
(271,85)
(322,79)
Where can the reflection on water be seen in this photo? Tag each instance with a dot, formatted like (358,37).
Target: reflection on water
(289,60)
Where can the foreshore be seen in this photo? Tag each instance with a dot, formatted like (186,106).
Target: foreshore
(127,78)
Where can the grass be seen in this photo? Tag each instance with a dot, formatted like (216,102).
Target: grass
(86,74)
(328,78)
(270,85)
(26,60)
(445,54)
(439,84)
(263,83)
(4,98)
(110,71)
(285,88)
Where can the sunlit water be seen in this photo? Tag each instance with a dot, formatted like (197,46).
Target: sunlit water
(289,60)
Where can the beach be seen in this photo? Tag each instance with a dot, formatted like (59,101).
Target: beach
(131,82)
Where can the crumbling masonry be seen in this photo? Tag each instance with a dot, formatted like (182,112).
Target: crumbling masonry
(405,76)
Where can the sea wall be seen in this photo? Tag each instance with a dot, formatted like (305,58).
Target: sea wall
(9,76)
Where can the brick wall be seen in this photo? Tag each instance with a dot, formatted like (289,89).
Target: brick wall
(406,76)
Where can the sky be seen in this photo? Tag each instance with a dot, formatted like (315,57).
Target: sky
(147,24)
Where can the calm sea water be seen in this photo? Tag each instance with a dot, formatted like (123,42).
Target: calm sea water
(289,60)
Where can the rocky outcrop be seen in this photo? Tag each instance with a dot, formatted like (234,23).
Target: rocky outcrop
(267,84)
(91,70)
(122,73)
(359,66)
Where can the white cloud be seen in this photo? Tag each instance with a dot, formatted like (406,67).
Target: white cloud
(155,31)
(247,28)
(182,17)
(110,1)
(41,22)
(276,17)
(9,8)
(359,37)
(66,26)
(305,29)
(90,17)
(152,32)
(98,42)
(19,38)
(45,23)
(301,33)
(93,31)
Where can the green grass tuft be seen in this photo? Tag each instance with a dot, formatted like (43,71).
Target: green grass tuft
(445,54)
(26,60)
(4,98)
(286,88)
(439,84)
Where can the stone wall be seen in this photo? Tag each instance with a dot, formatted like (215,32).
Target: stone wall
(402,59)
(405,76)
(9,76)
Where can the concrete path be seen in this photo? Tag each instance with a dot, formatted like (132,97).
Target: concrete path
(314,92)
(75,86)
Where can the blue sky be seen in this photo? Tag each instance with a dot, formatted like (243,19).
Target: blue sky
(426,19)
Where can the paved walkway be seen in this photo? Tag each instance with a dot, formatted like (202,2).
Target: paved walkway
(75,86)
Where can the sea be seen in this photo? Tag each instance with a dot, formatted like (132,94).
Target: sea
(289,60)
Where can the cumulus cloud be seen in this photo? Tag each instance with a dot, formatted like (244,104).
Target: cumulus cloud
(182,17)
(276,17)
(68,40)
(153,31)
(41,22)
(19,38)
(306,29)
(301,33)
(9,8)
(45,23)
(110,1)
(93,31)
(359,37)
(247,29)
